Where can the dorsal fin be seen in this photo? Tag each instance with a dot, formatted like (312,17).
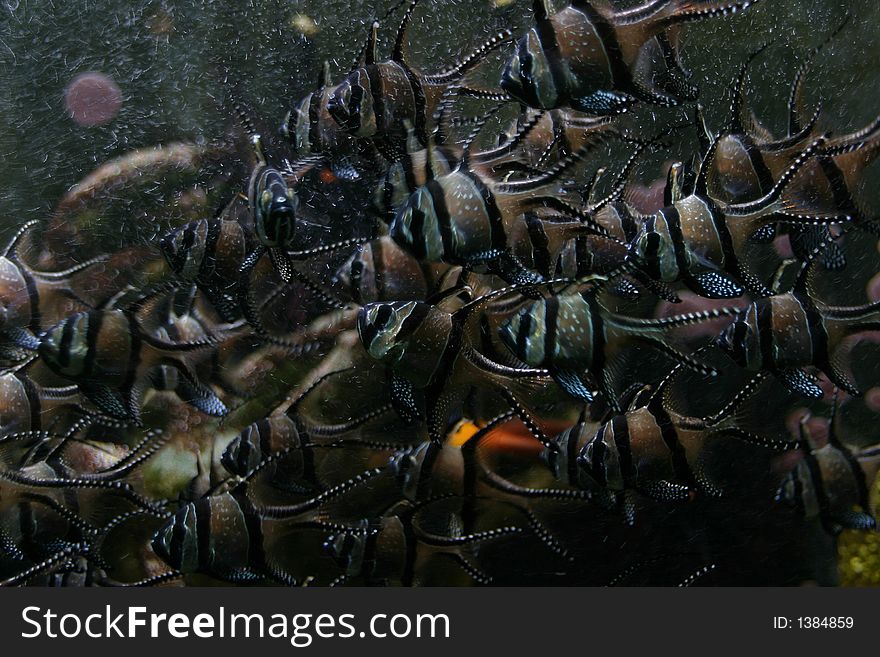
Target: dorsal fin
(795,98)
(704,134)
(248,126)
(554,172)
(541,10)
(684,11)
(243,118)
(623,178)
(511,144)
(324,79)
(640,12)
(672,192)
(806,436)
(478,127)
(16,239)
(737,124)
(432,166)
(765,202)
(462,67)
(371,52)
(701,186)
(590,188)
(398,54)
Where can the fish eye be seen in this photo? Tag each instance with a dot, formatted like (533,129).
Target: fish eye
(383,316)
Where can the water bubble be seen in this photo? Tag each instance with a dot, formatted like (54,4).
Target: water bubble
(92,99)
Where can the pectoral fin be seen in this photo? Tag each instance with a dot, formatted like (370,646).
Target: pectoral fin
(107,400)
(574,385)
(405,399)
(798,381)
(715,285)
(603,102)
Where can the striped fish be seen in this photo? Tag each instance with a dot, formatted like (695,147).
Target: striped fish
(432,356)
(377,100)
(219,535)
(310,128)
(537,140)
(788,332)
(829,484)
(411,546)
(273,205)
(698,240)
(573,335)
(31,299)
(595,58)
(209,253)
(225,534)
(47,509)
(747,159)
(381,271)
(28,407)
(542,138)
(110,356)
(303,461)
(650,450)
(377,552)
(468,218)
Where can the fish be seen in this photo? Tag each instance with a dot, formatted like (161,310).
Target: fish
(110,356)
(573,335)
(829,484)
(377,99)
(789,333)
(595,58)
(30,299)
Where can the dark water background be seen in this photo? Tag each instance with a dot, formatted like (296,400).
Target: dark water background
(178,65)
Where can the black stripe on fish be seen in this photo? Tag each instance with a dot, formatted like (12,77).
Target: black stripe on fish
(379,273)
(766,339)
(679,248)
(522,336)
(93,331)
(759,166)
(67,335)
(33,298)
(178,537)
(815,324)
(256,556)
(444,220)
(680,464)
(134,359)
(551,325)
(843,200)
(204,538)
(420,120)
(598,469)
(377,93)
(598,335)
(547,38)
(620,73)
(417,230)
(315,121)
(620,425)
(496,224)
